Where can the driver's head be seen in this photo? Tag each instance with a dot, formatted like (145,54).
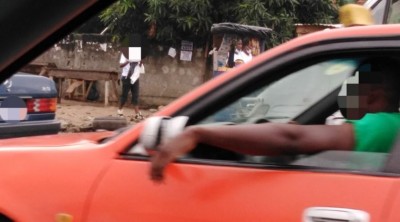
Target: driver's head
(373,89)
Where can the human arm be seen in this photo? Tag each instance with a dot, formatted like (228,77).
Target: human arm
(123,61)
(254,139)
(123,64)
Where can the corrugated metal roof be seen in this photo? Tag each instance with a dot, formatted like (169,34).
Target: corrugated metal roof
(234,28)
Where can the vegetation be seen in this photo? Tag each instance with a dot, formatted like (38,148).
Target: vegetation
(170,21)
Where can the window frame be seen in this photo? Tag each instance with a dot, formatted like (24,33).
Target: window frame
(303,56)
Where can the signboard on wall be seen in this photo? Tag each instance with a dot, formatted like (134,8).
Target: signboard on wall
(186,51)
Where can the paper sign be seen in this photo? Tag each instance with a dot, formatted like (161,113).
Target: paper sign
(186,56)
(186,50)
(172,52)
(135,54)
(186,46)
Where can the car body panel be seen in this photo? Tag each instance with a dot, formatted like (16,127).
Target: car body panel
(187,184)
(47,188)
(63,140)
(53,162)
(212,193)
(394,204)
(93,182)
(90,180)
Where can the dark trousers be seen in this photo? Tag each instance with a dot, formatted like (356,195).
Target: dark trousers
(134,88)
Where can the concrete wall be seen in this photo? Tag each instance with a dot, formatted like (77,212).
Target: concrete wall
(166,78)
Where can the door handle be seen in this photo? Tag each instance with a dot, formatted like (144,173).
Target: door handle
(333,214)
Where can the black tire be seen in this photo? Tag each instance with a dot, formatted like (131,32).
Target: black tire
(109,123)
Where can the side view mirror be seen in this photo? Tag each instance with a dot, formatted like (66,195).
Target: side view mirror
(158,129)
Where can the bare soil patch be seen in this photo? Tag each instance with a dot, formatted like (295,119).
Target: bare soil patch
(76,116)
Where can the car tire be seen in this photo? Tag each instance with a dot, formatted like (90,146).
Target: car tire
(109,123)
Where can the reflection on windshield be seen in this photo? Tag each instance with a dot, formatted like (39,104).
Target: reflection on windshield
(288,97)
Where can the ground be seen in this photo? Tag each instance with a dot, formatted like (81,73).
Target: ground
(78,116)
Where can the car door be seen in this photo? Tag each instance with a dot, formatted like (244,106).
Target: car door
(299,86)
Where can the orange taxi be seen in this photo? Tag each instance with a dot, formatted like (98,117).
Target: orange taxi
(104,176)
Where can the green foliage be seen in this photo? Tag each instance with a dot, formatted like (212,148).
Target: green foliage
(125,17)
(343,2)
(179,19)
(191,20)
(278,15)
(311,12)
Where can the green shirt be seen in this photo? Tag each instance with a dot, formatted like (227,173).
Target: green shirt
(376,132)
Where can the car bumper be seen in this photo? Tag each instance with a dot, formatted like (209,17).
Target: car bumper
(29,128)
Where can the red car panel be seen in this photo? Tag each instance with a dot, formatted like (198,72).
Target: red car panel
(91,177)
(210,193)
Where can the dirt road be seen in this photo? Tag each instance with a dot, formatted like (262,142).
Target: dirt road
(78,116)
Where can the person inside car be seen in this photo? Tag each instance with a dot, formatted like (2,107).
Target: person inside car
(377,107)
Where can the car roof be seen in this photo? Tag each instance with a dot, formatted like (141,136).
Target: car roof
(331,35)
(29,27)
(343,34)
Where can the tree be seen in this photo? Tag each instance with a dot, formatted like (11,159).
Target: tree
(180,19)
(125,17)
(175,20)
(282,15)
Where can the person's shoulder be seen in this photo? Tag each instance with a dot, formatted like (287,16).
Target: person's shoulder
(383,117)
(394,115)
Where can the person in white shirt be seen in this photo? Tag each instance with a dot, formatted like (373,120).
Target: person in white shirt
(242,53)
(130,74)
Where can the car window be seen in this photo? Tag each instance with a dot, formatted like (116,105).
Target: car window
(378,10)
(394,13)
(283,100)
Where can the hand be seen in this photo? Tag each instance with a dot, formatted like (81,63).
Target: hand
(168,152)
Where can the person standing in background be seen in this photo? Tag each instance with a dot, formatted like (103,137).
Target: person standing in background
(130,74)
(239,53)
